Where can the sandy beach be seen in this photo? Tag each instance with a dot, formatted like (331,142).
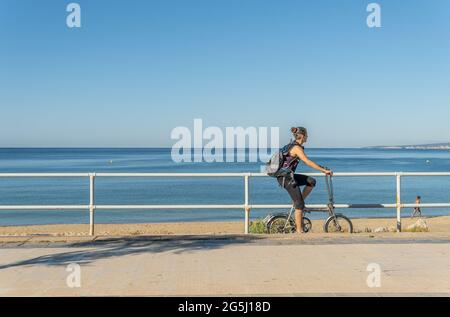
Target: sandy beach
(436,224)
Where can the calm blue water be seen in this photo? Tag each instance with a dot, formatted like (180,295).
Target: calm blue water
(28,191)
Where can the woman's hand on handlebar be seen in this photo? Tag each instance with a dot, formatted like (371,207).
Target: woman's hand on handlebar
(328,172)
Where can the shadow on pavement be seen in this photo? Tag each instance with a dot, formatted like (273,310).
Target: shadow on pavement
(116,247)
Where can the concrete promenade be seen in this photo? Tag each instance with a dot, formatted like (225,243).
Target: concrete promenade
(315,264)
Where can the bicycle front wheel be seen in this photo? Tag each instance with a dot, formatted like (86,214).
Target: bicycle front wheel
(307,224)
(338,223)
(280,224)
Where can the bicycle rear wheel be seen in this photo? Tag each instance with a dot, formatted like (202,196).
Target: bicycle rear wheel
(280,224)
(338,224)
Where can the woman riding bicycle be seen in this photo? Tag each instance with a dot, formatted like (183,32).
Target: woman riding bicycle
(293,182)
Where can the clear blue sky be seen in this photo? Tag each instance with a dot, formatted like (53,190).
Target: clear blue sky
(137,69)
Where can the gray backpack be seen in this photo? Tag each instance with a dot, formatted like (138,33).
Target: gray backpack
(274,167)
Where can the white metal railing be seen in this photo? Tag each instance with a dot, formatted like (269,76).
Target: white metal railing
(246,206)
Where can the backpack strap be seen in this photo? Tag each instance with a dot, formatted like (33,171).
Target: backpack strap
(290,145)
(289,148)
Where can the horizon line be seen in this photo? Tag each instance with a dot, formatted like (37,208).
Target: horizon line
(151,147)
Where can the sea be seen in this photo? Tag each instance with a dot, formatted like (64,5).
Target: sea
(207,190)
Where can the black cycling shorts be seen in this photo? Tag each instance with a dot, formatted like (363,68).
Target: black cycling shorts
(293,187)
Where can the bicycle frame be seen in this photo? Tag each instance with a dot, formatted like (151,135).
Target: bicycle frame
(330,205)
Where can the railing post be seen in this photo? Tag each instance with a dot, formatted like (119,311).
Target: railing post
(399,204)
(91,204)
(246,206)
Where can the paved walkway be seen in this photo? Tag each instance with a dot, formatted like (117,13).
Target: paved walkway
(230,265)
